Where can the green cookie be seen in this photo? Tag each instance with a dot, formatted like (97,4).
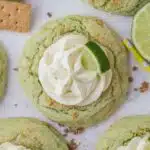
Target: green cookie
(3,70)
(75,116)
(122,7)
(30,134)
(126,132)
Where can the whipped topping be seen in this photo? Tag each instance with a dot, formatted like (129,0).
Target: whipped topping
(64,77)
(9,146)
(137,143)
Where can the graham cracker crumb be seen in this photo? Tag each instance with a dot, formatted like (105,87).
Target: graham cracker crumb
(135,89)
(52,102)
(15,105)
(134,68)
(75,115)
(49,14)
(61,125)
(73,145)
(65,134)
(100,22)
(16,69)
(130,79)
(101,39)
(144,87)
(90,1)
(116,1)
(66,130)
(79,131)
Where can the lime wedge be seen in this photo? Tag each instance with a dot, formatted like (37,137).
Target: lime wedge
(88,61)
(97,54)
(141,31)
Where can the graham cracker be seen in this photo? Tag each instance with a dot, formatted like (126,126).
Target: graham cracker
(15,16)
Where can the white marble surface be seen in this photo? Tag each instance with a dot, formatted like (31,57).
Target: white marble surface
(14,42)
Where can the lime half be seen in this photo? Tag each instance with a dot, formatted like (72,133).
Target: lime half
(141,31)
(96,58)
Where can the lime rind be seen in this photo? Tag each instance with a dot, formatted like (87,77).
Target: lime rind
(141,31)
(101,59)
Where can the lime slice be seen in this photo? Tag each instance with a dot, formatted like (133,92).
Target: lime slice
(141,31)
(88,62)
(96,58)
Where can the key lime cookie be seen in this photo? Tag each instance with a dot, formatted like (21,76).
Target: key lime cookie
(129,133)
(3,71)
(29,134)
(75,70)
(123,7)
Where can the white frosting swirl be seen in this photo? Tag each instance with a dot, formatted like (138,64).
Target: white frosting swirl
(63,76)
(9,146)
(137,143)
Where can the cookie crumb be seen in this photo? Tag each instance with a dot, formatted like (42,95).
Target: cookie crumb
(79,131)
(135,89)
(49,14)
(65,134)
(73,145)
(51,103)
(16,69)
(116,1)
(15,105)
(61,125)
(75,115)
(66,130)
(134,68)
(144,87)
(130,79)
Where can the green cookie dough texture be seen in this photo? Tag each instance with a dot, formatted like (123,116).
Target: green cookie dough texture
(75,116)
(123,131)
(31,133)
(123,7)
(3,71)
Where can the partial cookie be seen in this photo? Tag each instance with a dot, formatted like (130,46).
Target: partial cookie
(123,7)
(15,16)
(127,134)
(75,116)
(29,134)
(3,71)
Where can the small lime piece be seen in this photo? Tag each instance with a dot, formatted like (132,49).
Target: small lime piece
(100,57)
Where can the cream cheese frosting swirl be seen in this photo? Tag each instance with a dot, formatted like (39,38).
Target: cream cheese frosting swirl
(64,77)
(137,143)
(9,146)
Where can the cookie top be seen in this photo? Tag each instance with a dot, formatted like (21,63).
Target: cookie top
(74,116)
(124,132)
(3,70)
(123,7)
(30,134)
